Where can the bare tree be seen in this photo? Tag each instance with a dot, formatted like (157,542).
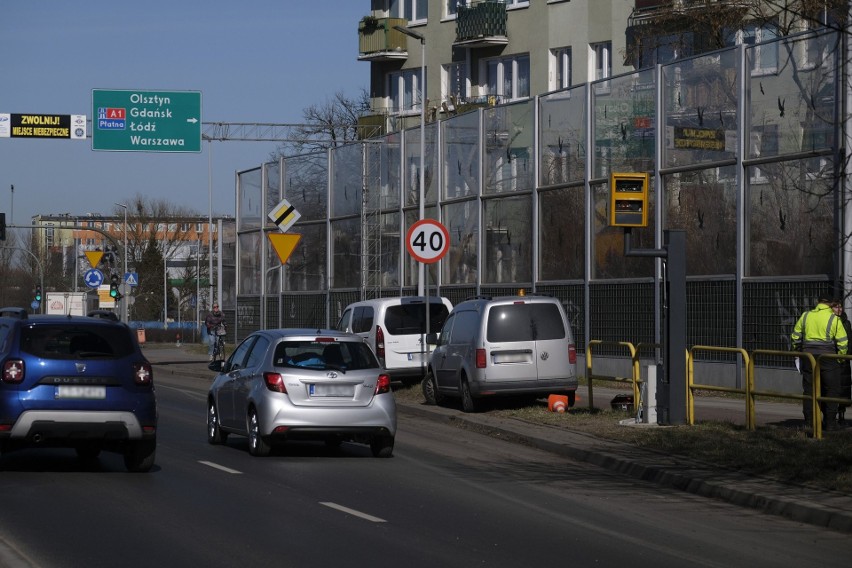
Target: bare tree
(327,124)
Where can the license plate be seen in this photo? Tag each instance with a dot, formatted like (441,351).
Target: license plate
(81,391)
(332,390)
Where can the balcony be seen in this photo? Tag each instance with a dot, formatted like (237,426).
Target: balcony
(378,41)
(480,24)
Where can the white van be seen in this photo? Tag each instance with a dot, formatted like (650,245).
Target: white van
(395,329)
(512,345)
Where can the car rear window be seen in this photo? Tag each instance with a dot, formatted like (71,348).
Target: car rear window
(525,322)
(344,355)
(63,341)
(410,319)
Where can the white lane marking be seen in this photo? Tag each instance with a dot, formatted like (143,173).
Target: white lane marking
(219,467)
(364,516)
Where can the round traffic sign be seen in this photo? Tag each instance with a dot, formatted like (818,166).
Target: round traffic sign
(93,278)
(427,241)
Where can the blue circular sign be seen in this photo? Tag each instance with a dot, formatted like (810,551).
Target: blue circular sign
(93,278)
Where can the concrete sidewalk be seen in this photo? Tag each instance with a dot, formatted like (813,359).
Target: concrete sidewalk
(804,504)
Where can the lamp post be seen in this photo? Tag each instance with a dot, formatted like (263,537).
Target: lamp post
(124,301)
(421,274)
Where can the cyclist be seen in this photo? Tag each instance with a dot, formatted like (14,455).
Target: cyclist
(214,320)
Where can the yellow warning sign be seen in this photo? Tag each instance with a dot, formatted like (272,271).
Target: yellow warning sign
(94,257)
(284,243)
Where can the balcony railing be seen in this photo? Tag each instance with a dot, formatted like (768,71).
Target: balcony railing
(379,41)
(481,24)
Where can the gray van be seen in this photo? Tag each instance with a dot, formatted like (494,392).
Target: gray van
(394,328)
(512,345)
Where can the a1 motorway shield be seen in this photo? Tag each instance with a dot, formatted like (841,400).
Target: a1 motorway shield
(146,121)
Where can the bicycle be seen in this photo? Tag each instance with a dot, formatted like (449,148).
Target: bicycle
(219,344)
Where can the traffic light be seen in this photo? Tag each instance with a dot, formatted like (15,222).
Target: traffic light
(113,286)
(2,226)
(37,295)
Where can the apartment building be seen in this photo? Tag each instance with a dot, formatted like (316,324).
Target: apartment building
(480,53)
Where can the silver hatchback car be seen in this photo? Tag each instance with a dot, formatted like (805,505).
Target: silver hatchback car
(302,384)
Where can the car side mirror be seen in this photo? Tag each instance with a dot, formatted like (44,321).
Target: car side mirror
(216,366)
(432,338)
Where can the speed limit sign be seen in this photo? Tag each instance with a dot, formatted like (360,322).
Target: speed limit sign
(427,241)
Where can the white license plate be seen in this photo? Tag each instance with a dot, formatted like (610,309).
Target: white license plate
(81,391)
(332,390)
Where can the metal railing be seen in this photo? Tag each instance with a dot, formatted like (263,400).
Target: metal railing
(748,391)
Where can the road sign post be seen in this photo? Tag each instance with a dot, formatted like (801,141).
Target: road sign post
(427,241)
(146,121)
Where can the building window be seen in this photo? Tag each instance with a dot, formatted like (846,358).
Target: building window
(415,11)
(451,7)
(763,57)
(508,78)
(517,3)
(199,227)
(454,82)
(404,91)
(601,60)
(560,68)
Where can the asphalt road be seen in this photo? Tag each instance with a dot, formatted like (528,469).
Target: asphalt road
(448,497)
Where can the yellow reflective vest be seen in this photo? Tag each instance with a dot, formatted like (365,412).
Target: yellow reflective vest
(820,331)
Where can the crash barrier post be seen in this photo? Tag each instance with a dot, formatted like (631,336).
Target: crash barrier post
(818,398)
(816,424)
(634,380)
(692,386)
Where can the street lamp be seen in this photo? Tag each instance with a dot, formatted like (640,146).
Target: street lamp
(123,301)
(421,274)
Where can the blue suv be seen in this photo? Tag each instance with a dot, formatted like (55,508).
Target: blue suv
(76,382)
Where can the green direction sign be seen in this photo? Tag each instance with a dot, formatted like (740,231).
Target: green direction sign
(146,121)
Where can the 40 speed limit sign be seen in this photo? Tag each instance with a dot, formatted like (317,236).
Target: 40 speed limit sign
(427,241)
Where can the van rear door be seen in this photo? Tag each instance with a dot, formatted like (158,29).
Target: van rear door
(509,345)
(552,338)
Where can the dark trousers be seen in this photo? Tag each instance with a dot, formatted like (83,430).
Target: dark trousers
(830,385)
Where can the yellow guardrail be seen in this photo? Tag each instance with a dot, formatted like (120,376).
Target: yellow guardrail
(692,386)
(635,379)
(749,391)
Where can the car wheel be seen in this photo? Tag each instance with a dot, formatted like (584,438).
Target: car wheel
(572,398)
(382,446)
(469,404)
(258,445)
(429,386)
(139,455)
(87,452)
(214,432)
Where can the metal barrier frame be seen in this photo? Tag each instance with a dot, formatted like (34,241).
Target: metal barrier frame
(635,379)
(692,386)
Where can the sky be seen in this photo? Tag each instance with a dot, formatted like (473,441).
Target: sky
(255,61)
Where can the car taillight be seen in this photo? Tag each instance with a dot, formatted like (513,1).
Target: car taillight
(142,374)
(13,371)
(380,343)
(480,358)
(383,384)
(572,354)
(274,382)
